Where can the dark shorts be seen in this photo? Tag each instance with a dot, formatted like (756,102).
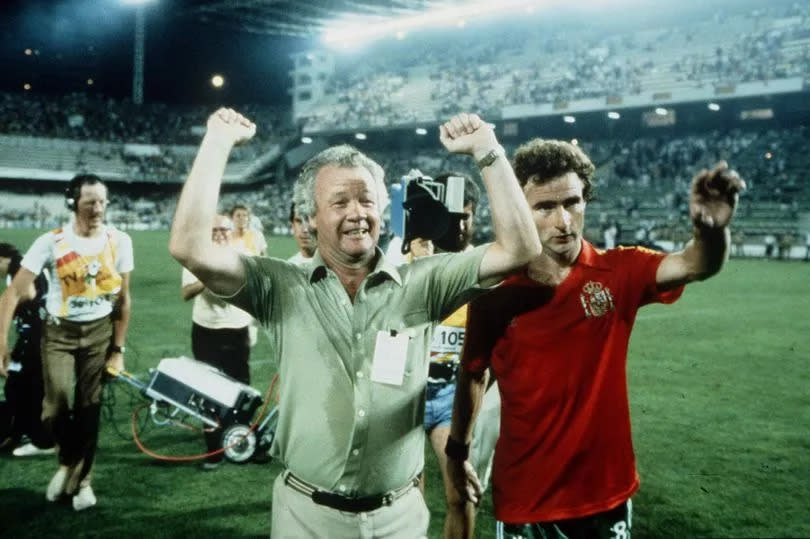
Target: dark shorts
(611,524)
(226,349)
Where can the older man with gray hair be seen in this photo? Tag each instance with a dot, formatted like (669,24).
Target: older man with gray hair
(351,331)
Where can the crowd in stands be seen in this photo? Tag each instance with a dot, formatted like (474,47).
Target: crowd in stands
(84,116)
(641,186)
(641,183)
(94,129)
(536,63)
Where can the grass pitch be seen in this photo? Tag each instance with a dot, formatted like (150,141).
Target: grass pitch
(720,395)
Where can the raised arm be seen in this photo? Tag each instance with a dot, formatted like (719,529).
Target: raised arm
(712,201)
(20,289)
(218,267)
(516,240)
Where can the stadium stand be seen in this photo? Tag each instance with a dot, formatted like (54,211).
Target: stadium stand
(641,178)
(410,82)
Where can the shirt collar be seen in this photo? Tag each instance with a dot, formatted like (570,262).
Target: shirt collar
(382,268)
(591,256)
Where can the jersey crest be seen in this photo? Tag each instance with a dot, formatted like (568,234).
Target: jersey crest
(596,299)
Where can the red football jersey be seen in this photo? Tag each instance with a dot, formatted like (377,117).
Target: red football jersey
(559,353)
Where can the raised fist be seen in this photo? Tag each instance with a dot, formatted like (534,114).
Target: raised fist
(467,133)
(714,196)
(230,126)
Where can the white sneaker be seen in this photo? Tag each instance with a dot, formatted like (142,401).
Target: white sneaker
(84,498)
(30,450)
(57,485)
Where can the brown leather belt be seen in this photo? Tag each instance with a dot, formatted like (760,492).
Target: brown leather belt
(344,503)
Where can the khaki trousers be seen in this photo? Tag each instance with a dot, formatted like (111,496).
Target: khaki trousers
(73,359)
(296,516)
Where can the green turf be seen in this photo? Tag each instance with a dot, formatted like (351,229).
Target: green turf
(719,390)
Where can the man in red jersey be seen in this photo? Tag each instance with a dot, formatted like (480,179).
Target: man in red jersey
(556,337)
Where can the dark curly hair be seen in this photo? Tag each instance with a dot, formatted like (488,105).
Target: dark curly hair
(542,160)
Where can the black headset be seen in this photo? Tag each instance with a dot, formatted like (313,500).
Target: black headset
(74,189)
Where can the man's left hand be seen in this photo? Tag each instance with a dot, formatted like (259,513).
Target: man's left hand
(468,133)
(714,196)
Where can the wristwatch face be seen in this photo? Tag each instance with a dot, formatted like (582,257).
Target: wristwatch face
(488,159)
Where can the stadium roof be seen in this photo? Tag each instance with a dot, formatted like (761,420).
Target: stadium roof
(301,18)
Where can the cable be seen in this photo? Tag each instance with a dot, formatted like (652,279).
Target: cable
(109,399)
(109,403)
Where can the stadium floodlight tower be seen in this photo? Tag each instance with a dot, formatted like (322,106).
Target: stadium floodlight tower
(139,48)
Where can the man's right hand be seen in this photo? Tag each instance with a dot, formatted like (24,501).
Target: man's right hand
(230,127)
(465,480)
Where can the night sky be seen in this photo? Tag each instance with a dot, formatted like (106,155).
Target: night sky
(74,40)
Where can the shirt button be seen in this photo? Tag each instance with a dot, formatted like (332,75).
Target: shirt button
(355,452)
(360,374)
(342,488)
(358,336)
(362,413)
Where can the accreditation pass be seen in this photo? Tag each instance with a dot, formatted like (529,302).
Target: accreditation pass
(390,355)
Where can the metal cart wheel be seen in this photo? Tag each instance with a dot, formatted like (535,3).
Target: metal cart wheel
(239,443)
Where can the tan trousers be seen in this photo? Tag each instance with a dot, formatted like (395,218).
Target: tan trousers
(296,516)
(73,360)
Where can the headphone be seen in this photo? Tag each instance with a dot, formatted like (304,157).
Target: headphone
(74,189)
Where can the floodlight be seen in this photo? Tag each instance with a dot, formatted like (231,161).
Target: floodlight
(28,52)
(26,86)
(356,29)
(575,142)
(714,107)
(613,115)
(569,119)
(360,136)
(217,81)
(661,111)
(306,140)
(768,155)
(421,131)
(90,82)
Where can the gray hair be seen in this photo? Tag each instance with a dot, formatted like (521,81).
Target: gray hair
(344,156)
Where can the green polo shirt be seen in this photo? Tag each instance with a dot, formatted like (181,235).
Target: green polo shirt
(338,429)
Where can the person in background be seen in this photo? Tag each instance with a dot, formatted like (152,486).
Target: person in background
(88,306)
(250,241)
(303,237)
(20,415)
(245,238)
